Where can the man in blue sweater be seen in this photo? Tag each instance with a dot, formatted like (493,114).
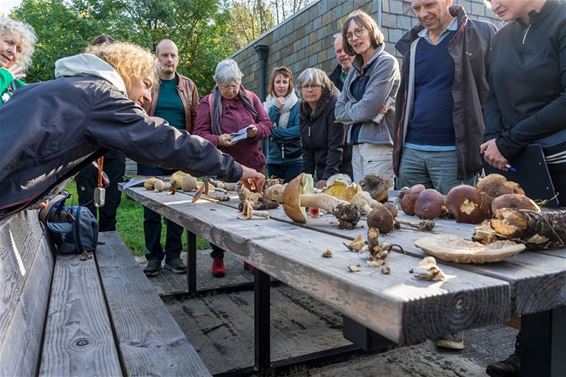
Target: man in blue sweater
(444,84)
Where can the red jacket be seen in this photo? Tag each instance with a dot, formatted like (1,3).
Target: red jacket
(235,117)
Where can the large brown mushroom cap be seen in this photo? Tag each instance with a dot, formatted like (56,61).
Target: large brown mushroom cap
(452,248)
(377,186)
(409,198)
(495,185)
(465,204)
(382,219)
(275,192)
(429,204)
(292,197)
(516,201)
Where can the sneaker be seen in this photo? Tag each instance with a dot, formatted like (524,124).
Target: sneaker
(218,267)
(451,341)
(510,367)
(249,267)
(152,268)
(175,265)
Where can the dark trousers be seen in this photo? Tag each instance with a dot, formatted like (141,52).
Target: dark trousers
(152,226)
(217,252)
(87,181)
(152,233)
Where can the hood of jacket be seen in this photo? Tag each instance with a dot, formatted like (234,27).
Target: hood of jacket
(89,65)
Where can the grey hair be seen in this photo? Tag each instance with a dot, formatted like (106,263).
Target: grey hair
(27,35)
(227,71)
(315,76)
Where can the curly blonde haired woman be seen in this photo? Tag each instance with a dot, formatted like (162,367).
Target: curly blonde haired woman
(16,49)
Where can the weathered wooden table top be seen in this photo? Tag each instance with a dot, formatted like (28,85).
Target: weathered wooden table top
(398,306)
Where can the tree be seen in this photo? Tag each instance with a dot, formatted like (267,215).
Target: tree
(248,20)
(65,27)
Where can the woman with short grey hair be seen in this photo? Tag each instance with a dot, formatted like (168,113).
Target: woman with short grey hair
(234,120)
(17,40)
(321,137)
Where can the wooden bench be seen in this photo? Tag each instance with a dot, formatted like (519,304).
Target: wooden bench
(65,316)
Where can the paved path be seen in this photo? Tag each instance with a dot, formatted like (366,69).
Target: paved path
(221,329)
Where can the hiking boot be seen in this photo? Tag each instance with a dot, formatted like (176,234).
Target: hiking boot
(152,268)
(451,341)
(218,267)
(175,265)
(249,267)
(510,367)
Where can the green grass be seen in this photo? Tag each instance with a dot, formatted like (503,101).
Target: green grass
(129,224)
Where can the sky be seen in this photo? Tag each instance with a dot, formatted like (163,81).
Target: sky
(7,5)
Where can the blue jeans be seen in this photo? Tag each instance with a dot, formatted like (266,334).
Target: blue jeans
(438,170)
(286,171)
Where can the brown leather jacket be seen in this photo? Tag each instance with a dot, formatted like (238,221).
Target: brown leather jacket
(189,96)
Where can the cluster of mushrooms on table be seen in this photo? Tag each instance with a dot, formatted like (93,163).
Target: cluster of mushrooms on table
(507,221)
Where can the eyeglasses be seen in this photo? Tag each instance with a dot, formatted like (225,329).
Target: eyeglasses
(311,86)
(357,32)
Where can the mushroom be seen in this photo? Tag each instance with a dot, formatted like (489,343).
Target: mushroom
(357,244)
(464,202)
(382,219)
(392,207)
(453,248)
(516,201)
(364,202)
(273,181)
(189,183)
(428,270)
(160,185)
(377,186)
(494,185)
(429,204)
(257,200)
(176,179)
(299,194)
(342,190)
(149,183)
(340,176)
(409,197)
(275,192)
(248,212)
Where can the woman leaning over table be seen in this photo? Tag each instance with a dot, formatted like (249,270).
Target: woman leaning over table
(527,101)
(17,41)
(285,154)
(322,138)
(228,109)
(366,101)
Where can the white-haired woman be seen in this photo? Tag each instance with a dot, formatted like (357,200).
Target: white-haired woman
(321,137)
(228,110)
(16,49)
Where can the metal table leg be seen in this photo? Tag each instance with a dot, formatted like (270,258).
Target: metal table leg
(192,263)
(262,321)
(543,343)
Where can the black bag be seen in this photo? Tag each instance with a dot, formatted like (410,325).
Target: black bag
(290,147)
(72,229)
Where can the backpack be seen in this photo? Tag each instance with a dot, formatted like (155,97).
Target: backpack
(72,229)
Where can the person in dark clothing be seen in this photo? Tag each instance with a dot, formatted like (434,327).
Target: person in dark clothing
(114,165)
(175,100)
(321,137)
(439,108)
(527,99)
(94,105)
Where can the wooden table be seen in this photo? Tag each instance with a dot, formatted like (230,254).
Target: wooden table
(396,306)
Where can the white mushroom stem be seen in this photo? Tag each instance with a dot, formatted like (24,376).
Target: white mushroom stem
(364,202)
(322,201)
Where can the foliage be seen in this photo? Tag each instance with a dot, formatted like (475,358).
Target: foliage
(65,27)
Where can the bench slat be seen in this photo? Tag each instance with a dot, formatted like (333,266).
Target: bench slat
(78,333)
(149,339)
(26,266)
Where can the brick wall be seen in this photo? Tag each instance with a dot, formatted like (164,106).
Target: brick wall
(305,40)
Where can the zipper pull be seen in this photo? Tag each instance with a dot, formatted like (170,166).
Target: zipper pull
(309,131)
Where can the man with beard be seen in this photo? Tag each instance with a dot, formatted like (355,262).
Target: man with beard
(175,100)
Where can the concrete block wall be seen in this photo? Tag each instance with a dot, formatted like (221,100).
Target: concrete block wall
(306,39)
